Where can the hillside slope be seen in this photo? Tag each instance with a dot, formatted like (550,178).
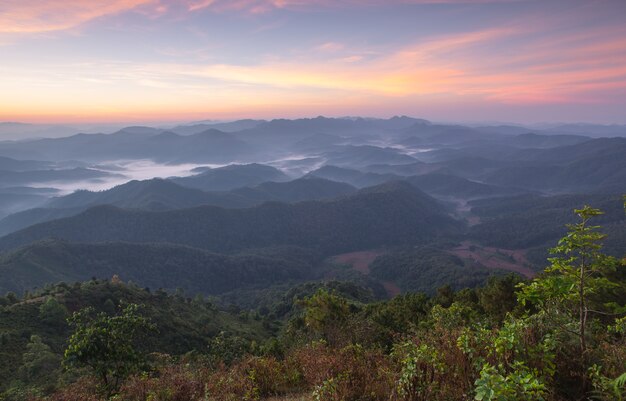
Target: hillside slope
(156,266)
(160,195)
(390,214)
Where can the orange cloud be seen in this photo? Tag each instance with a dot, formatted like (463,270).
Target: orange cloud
(517,64)
(456,65)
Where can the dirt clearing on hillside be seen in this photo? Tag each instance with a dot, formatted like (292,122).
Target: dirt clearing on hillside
(496,258)
(360,261)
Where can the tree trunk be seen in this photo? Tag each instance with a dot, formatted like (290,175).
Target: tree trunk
(582,306)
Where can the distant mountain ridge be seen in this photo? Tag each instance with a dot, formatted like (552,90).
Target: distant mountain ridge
(10,164)
(596,165)
(436,183)
(134,143)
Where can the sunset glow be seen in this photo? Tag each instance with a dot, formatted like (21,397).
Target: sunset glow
(177,60)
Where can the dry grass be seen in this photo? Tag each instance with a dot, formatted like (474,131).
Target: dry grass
(292,397)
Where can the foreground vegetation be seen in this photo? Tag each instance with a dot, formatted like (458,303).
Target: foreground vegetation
(561,336)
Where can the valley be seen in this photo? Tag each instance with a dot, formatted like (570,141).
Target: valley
(248,242)
(330,186)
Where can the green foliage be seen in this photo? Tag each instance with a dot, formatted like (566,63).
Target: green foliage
(37,374)
(227,347)
(53,312)
(326,314)
(580,269)
(537,222)
(455,316)
(421,369)
(107,345)
(512,365)
(607,389)
(575,284)
(576,290)
(39,362)
(328,389)
(331,341)
(154,266)
(184,326)
(281,301)
(497,297)
(424,269)
(518,384)
(401,314)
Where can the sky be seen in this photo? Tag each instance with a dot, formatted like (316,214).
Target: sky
(102,61)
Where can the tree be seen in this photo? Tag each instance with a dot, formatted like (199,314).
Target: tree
(52,312)
(40,365)
(497,297)
(573,284)
(107,345)
(326,314)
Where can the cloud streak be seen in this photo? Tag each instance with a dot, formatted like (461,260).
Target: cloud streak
(555,63)
(35,16)
(450,65)
(263,6)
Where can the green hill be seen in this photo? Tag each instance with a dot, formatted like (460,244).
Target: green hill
(303,189)
(233,176)
(159,195)
(390,214)
(437,184)
(536,221)
(182,325)
(149,194)
(596,166)
(353,177)
(156,266)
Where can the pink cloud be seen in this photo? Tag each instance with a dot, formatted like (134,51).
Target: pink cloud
(330,47)
(31,16)
(200,4)
(551,62)
(261,6)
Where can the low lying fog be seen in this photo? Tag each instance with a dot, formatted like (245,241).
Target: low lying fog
(125,170)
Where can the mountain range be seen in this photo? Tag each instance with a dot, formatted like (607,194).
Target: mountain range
(248,194)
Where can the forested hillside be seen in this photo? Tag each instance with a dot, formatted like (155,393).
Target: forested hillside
(165,266)
(532,221)
(160,195)
(501,341)
(390,214)
(313,259)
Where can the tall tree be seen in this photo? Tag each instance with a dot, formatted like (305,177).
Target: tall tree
(108,345)
(575,281)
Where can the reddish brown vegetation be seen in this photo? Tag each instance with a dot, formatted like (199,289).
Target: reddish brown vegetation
(361,261)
